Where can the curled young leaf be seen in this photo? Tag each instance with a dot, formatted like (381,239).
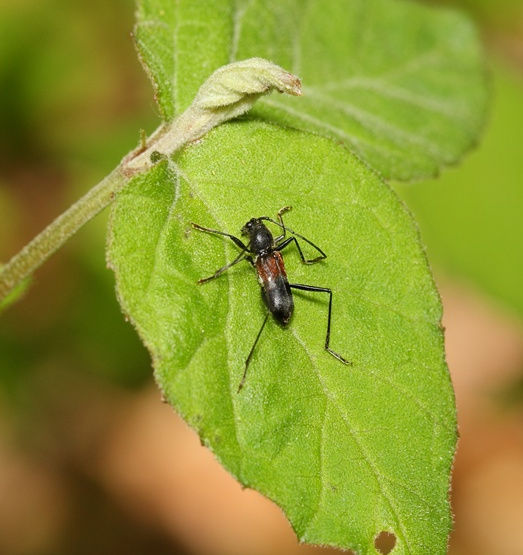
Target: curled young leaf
(229,92)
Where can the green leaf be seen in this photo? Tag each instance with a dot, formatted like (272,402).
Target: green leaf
(346,451)
(401,84)
(471,218)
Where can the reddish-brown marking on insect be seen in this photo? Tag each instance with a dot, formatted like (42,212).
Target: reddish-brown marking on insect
(270,267)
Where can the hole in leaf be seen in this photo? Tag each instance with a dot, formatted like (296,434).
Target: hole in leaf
(384,542)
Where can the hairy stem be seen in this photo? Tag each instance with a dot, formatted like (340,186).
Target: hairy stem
(59,231)
(229,92)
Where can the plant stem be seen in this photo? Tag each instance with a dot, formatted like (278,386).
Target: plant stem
(59,231)
(229,92)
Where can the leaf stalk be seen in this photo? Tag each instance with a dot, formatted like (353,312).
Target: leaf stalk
(39,249)
(229,92)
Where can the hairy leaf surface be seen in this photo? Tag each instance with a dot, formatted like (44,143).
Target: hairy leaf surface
(346,451)
(401,84)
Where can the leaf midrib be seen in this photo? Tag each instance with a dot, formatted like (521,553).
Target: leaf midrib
(191,183)
(357,441)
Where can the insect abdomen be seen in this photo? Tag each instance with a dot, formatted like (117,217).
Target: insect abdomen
(276,290)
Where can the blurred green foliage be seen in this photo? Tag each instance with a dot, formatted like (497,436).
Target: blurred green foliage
(493,15)
(72,100)
(471,218)
(67,71)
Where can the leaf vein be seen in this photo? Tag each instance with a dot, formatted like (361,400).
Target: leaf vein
(378,476)
(375,123)
(159,243)
(194,185)
(350,138)
(237,24)
(433,104)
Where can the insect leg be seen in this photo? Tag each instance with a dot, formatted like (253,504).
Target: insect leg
(236,241)
(251,352)
(315,289)
(281,246)
(239,258)
(287,241)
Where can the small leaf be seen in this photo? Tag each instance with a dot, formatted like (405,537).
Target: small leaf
(228,93)
(346,451)
(401,84)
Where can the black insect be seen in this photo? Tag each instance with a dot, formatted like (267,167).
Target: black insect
(264,254)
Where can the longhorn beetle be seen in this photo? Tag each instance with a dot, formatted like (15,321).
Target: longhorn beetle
(264,254)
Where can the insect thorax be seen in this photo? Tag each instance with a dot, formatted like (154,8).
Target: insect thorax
(260,238)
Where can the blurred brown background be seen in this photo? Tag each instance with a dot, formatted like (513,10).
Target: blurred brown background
(91,461)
